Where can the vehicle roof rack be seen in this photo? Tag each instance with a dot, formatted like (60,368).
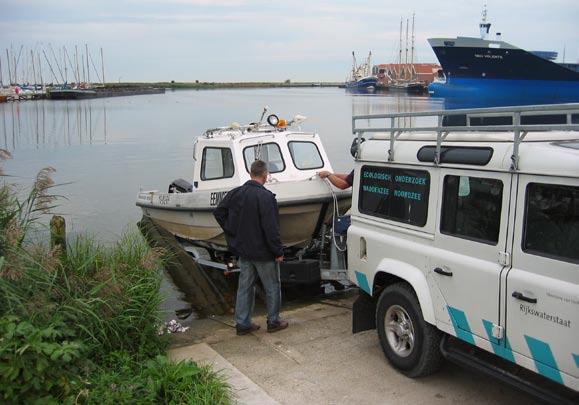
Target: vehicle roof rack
(520,120)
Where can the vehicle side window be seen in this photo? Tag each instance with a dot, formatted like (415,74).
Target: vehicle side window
(552,221)
(471,208)
(268,152)
(217,163)
(305,155)
(397,194)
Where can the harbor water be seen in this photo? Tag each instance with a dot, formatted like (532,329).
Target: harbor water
(106,150)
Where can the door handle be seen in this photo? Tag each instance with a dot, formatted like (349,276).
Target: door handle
(522,297)
(438,270)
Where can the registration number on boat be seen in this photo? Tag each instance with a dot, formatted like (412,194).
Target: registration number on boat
(216,197)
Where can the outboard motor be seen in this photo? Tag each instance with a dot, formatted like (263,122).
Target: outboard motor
(180,186)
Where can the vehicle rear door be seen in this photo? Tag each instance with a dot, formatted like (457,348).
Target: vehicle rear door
(542,288)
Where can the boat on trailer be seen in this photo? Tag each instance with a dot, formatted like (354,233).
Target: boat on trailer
(222,158)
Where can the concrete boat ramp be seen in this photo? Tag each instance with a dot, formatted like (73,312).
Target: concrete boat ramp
(318,360)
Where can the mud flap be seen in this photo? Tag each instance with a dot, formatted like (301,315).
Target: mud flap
(363,313)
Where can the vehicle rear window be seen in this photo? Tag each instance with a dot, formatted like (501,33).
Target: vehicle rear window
(268,152)
(552,221)
(471,208)
(397,194)
(217,163)
(305,155)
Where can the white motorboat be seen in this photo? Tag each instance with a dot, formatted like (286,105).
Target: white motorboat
(222,158)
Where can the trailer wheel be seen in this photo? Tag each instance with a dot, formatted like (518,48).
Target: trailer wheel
(409,343)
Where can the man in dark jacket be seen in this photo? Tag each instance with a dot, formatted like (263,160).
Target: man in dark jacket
(249,218)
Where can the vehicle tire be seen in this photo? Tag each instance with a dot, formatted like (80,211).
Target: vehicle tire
(410,344)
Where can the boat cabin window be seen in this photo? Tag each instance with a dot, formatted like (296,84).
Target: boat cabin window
(217,163)
(305,155)
(268,152)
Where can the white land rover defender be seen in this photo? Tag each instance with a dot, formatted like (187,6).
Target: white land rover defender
(465,233)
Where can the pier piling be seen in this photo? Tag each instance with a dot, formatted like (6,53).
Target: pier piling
(58,233)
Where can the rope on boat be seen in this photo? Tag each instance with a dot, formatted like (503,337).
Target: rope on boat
(335,214)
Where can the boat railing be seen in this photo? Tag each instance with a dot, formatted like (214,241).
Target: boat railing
(519,120)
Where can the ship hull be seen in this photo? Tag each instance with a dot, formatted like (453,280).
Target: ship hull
(487,69)
(363,83)
(527,91)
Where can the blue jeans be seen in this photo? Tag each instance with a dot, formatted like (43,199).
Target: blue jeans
(269,275)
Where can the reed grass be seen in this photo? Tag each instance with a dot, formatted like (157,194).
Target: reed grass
(81,326)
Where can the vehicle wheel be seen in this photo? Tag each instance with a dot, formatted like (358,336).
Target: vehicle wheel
(410,344)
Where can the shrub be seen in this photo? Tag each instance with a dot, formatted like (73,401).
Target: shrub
(37,362)
(81,325)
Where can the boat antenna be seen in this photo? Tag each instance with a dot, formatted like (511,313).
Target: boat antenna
(263,114)
(484,25)
(563,53)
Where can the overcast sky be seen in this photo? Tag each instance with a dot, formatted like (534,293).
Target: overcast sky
(268,40)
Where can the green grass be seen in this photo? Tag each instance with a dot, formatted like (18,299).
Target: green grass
(81,326)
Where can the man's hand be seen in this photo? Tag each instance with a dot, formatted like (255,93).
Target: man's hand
(279,259)
(324,173)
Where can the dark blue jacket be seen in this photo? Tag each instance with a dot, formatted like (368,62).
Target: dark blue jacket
(249,217)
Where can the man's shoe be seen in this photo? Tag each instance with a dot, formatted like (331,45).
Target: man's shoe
(244,331)
(274,327)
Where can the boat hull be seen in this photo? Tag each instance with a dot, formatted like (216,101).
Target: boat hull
(298,223)
(303,207)
(364,83)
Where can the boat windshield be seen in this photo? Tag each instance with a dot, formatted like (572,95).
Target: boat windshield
(268,152)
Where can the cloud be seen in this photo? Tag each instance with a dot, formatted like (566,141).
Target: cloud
(258,39)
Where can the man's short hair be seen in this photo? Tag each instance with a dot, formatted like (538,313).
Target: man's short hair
(258,169)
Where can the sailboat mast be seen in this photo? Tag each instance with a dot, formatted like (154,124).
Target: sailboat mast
(412,69)
(400,52)
(103,65)
(77,68)
(406,53)
(16,61)
(64,64)
(50,66)
(40,69)
(33,69)
(9,70)
(87,65)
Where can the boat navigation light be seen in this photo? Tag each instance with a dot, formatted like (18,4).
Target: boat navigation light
(272,120)
(281,123)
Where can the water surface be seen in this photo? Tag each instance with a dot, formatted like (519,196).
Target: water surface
(106,149)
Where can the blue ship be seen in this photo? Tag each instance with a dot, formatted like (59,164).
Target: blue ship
(482,69)
(361,78)
(362,83)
